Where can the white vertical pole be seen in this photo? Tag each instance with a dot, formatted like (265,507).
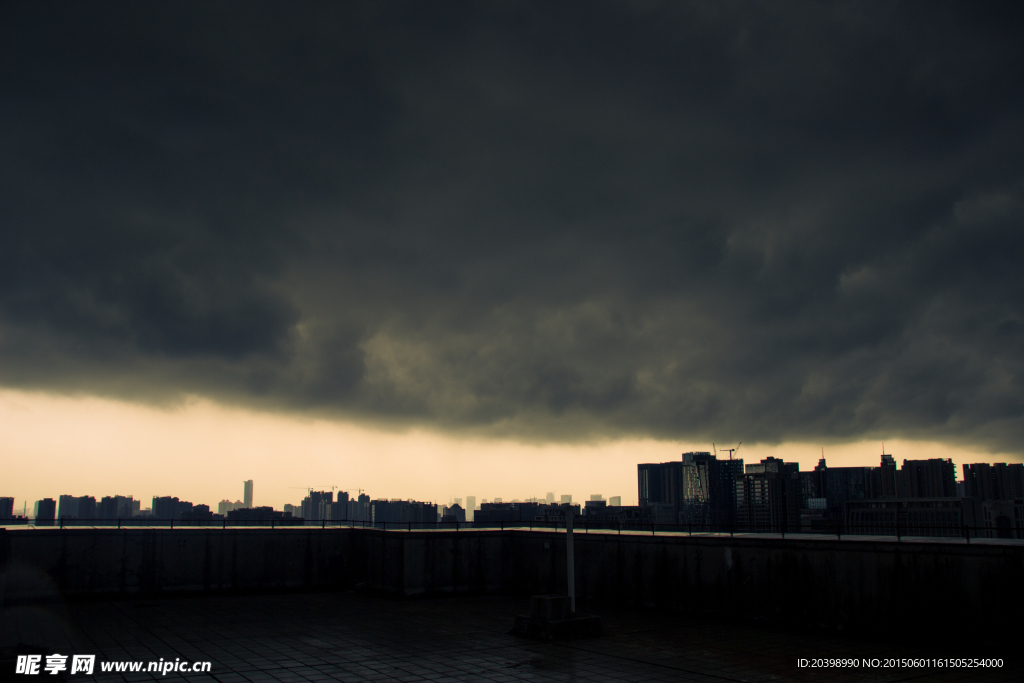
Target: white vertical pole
(570,562)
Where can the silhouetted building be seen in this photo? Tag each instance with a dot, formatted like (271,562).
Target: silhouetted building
(67,507)
(941,516)
(933,478)
(336,511)
(6,508)
(106,508)
(994,482)
(359,509)
(884,482)
(661,514)
(594,506)
(814,516)
(660,483)
(709,491)
(86,507)
(198,513)
(403,512)
(247,493)
(1003,518)
(313,504)
(837,486)
(44,511)
(226,506)
(453,513)
(768,496)
(260,515)
(167,508)
(116,507)
(618,516)
(490,513)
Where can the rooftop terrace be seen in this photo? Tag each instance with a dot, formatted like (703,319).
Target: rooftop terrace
(356,636)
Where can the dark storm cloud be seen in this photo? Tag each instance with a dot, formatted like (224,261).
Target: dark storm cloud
(748,221)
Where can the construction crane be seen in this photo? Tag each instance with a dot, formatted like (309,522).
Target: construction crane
(731,450)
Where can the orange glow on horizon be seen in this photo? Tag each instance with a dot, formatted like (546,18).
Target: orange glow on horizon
(202,451)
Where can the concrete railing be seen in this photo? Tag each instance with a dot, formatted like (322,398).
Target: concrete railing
(858,584)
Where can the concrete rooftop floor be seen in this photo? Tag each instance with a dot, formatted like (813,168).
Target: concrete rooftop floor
(360,637)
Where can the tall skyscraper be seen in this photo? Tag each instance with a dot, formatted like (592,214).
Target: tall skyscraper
(6,508)
(247,495)
(470,507)
(566,499)
(550,498)
(615,501)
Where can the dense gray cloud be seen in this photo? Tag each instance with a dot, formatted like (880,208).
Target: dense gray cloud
(733,221)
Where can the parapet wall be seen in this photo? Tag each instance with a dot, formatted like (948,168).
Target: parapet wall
(855,584)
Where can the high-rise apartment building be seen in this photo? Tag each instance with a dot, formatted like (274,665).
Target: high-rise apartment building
(115,507)
(403,512)
(768,496)
(708,491)
(44,511)
(359,509)
(167,508)
(6,508)
(933,478)
(661,483)
(615,501)
(226,506)
(67,507)
(471,507)
(566,499)
(247,493)
(839,485)
(994,482)
(508,512)
(313,504)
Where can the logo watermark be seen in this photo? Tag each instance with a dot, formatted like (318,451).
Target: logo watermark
(35,665)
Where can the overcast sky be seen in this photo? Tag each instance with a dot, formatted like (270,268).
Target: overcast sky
(544,222)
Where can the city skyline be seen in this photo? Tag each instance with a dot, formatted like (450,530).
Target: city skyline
(125,506)
(382,474)
(451,247)
(699,491)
